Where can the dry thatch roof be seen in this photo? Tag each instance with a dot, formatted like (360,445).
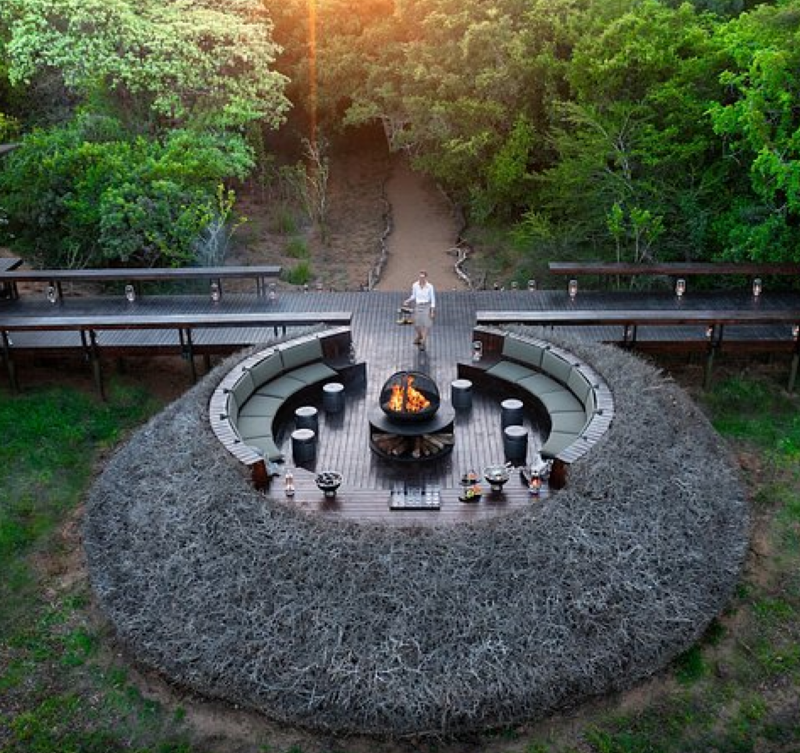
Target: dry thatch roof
(412,632)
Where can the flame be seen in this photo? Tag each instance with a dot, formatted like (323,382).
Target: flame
(405,398)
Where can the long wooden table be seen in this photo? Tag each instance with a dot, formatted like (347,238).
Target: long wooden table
(713,323)
(185,324)
(262,274)
(674,269)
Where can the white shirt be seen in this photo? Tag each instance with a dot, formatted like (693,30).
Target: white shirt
(420,294)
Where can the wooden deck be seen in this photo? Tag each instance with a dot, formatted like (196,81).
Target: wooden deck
(387,347)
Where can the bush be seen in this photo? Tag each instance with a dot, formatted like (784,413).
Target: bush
(297,248)
(87,194)
(299,274)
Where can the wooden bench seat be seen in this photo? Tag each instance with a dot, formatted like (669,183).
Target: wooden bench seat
(570,399)
(11,277)
(248,401)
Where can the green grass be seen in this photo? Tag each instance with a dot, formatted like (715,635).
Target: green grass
(61,689)
(284,221)
(297,248)
(300,274)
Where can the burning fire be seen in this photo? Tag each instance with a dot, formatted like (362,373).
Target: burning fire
(406,399)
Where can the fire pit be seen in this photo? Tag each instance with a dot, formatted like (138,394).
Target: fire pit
(409,396)
(412,423)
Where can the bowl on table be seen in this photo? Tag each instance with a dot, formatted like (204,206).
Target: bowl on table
(496,476)
(328,482)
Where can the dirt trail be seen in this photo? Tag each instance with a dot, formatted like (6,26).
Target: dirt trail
(423,233)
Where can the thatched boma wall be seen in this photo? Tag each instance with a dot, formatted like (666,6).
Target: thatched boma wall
(352,628)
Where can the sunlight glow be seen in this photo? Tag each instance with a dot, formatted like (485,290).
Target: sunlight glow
(312,68)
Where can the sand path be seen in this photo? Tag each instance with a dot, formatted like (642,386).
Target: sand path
(424,232)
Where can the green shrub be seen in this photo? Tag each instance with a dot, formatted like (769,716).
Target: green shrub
(299,274)
(297,248)
(88,194)
(284,221)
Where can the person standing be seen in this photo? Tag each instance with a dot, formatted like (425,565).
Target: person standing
(423,296)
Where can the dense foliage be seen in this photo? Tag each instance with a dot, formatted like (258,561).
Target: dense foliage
(154,98)
(629,129)
(633,129)
(87,194)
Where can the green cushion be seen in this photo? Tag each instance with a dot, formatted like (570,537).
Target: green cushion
(556,366)
(561,402)
(568,422)
(523,351)
(556,442)
(300,353)
(232,408)
(579,384)
(539,384)
(511,372)
(253,426)
(590,402)
(312,373)
(242,389)
(262,406)
(283,387)
(266,445)
(267,368)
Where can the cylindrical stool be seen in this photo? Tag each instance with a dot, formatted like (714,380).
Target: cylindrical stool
(333,397)
(307,417)
(461,393)
(511,413)
(515,443)
(304,445)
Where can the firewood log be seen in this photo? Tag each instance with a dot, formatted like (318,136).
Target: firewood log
(434,441)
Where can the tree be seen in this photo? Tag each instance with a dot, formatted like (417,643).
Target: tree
(167,62)
(86,194)
(760,123)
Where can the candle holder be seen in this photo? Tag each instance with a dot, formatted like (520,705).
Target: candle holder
(51,294)
(757,287)
(477,350)
(288,482)
(680,287)
(130,293)
(531,285)
(535,483)
(572,289)
(216,293)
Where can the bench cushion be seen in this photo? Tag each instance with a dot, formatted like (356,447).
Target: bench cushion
(561,402)
(572,422)
(300,353)
(556,367)
(242,389)
(267,368)
(282,387)
(261,405)
(557,442)
(232,408)
(523,351)
(254,426)
(313,373)
(579,385)
(539,384)
(510,372)
(266,445)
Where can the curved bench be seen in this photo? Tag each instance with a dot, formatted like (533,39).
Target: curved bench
(245,404)
(573,400)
